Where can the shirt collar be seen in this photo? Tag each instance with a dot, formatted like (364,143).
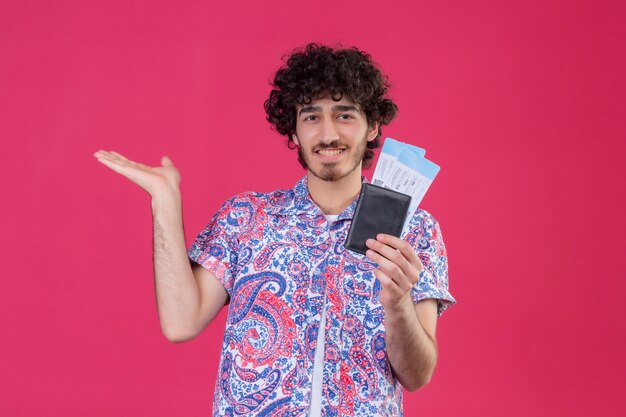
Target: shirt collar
(298,201)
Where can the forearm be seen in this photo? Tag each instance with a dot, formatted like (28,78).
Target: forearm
(177,293)
(412,352)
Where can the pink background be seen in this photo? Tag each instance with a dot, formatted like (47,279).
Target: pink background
(522,103)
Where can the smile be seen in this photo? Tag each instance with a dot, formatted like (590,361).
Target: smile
(330,152)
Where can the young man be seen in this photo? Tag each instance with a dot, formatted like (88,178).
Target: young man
(313,329)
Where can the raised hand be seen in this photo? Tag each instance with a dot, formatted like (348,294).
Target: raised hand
(153,180)
(185,307)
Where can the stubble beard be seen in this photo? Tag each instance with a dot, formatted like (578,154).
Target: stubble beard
(330,170)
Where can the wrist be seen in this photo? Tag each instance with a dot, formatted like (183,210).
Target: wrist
(402,307)
(165,196)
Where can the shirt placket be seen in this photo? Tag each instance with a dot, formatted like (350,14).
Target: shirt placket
(306,389)
(334,309)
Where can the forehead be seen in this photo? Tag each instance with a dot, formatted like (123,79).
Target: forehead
(329,103)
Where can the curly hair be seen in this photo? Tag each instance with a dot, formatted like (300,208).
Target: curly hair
(319,71)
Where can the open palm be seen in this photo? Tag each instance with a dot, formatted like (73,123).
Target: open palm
(151,179)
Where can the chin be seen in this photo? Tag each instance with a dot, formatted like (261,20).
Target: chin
(331,173)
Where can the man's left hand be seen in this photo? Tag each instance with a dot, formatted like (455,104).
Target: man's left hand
(399,269)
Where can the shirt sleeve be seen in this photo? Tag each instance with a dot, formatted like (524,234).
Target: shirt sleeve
(428,243)
(216,247)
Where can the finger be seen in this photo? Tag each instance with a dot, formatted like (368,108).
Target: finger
(115,165)
(166,161)
(387,283)
(105,156)
(121,161)
(390,269)
(404,247)
(127,162)
(132,171)
(102,154)
(395,256)
(122,157)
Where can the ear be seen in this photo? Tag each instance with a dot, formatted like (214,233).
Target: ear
(295,139)
(372,132)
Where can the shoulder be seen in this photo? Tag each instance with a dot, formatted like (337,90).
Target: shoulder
(422,228)
(422,220)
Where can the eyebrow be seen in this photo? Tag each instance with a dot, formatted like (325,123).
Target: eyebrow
(337,107)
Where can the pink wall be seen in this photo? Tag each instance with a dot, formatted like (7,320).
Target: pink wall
(521,103)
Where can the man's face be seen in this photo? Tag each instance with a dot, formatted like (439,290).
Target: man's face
(332,137)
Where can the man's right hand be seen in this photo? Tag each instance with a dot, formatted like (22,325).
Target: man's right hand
(187,299)
(153,180)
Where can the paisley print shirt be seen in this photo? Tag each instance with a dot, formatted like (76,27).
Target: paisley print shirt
(277,258)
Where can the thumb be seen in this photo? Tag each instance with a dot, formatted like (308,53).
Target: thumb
(166,161)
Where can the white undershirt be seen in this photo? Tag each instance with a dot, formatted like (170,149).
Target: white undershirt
(318,362)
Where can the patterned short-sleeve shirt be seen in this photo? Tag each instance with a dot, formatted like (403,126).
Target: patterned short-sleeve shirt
(277,258)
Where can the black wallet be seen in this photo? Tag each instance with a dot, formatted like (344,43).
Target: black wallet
(379,210)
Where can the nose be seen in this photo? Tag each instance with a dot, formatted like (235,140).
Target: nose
(330,132)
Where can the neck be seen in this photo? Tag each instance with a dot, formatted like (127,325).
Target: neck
(334,196)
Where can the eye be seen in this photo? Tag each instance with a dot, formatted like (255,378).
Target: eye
(311,117)
(345,116)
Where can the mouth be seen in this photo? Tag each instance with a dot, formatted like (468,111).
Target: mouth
(329,155)
(330,152)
